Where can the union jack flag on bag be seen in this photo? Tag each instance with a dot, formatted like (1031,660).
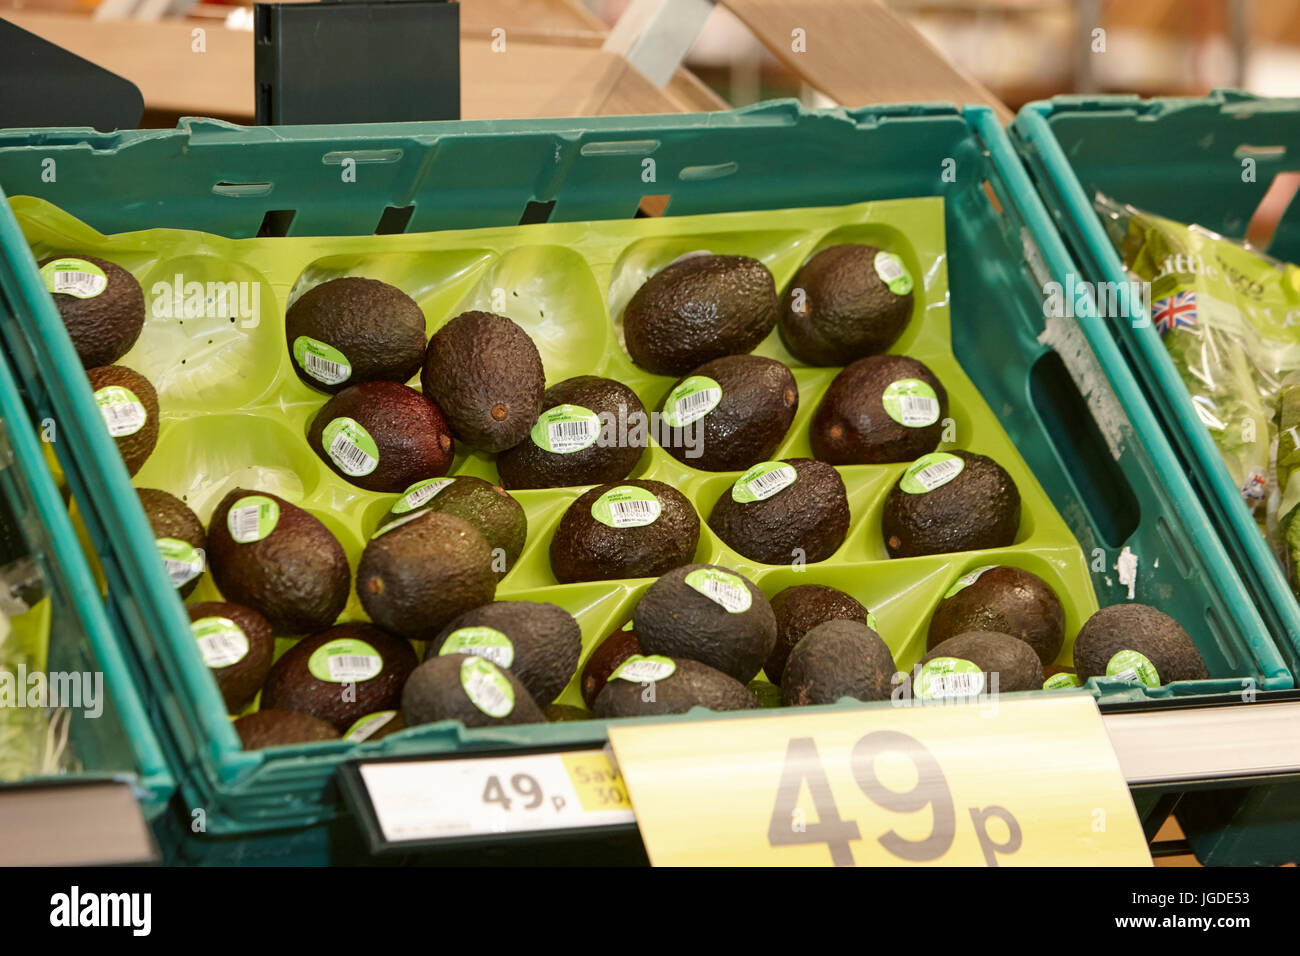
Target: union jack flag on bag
(1175,312)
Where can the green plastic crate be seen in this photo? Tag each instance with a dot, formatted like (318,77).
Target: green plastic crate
(234,182)
(69,625)
(1179,158)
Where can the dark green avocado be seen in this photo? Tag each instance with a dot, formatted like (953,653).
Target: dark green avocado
(101,304)
(880,409)
(844,303)
(1136,642)
(729,413)
(486,375)
(798,610)
(950,501)
(278,559)
(838,659)
(470,689)
(628,529)
(179,534)
(1010,659)
(709,614)
(1007,600)
(791,512)
(699,308)
(687,684)
(351,330)
(237,645)
(591,431)
(279,728)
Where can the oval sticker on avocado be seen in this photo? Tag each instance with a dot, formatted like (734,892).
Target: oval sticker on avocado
(930,472)
(486,687)
(1061,681)
(320,360)
(893,273)
(369,725)
(722,588)
(420,493)
(123,412)
(221,641)
(486,642)
(763,481)
(691,401)
(350,447)
(345,661)
(966,580)
(565,429)
(1131,665)
(75,277)
(640,669)
(911,402)
(948,678)
(183,561)
(626,506)
(252,518)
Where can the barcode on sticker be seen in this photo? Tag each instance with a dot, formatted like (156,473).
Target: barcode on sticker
(889,268)
(243,523)
(485,693)
(696,405)
(182,572)
(353,667)
(500,656)
(1128,673)
(633,514)
(331,373)
(83,284)
(223,649)
(350,458)
(768,484)
(571,436)
(728,595)
(124,419)
(919,410)
(956,685)
(932,476)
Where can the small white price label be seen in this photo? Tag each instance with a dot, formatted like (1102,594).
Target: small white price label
(432,799)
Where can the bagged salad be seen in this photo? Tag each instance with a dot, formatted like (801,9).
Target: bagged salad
(1230,318)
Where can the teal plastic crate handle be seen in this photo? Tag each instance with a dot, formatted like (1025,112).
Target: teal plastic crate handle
(1167,477)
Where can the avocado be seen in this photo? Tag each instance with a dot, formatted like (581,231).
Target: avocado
(129,406)
(486,375)
(798,610)
(1006,600)
(699,308)
(1013,661)
(631,529)
(591,431)
(494,513)
(382,436)
(237,645)
(838,659)
(559,713)
(767,694)
(467,688)
(278,728)
(376,726)
(730,413)
(279,560)
(844,303)
(341,674)
(784,512)
(1136,642)
(178,532)
(539,643)
(101,304)
(604,658)
(416,576)
(709,614)
(880,409)
(352,330)
(662,685)
(950,501)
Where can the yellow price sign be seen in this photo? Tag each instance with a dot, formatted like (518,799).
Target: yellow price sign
(1029,781)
